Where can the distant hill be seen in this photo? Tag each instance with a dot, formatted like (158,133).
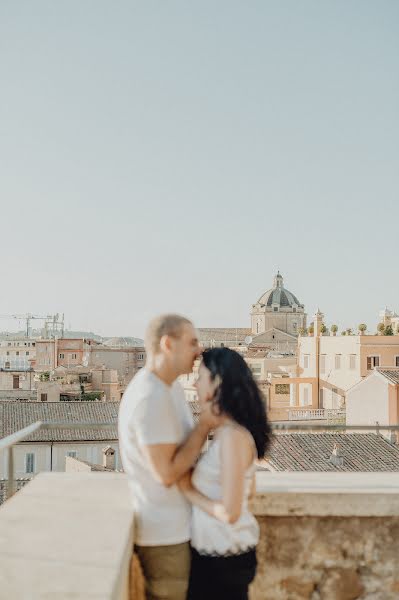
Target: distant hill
(108,341)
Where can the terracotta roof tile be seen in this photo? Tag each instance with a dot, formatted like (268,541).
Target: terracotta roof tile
(17,415)
(311,452)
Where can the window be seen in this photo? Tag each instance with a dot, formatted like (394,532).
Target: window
(372,362)
(62,355)
(294,310)
(321,398)
(8,354)
(275,308)
(322,363)
(15,382)
(7,365)
(140,356)
(43,397)
(337,361)
(306,361)
(74,356)
(396,361)
(295,326)
(352,361)
(29,462)
(17,353)
(72,453)
(27,353)
(9,344)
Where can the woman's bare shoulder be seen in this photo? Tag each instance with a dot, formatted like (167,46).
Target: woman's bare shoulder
(235,436)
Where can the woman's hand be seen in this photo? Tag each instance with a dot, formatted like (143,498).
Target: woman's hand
(184,484)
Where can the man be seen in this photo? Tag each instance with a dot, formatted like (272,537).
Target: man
(158,445)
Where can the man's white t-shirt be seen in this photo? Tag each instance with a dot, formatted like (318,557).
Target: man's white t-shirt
(152,412)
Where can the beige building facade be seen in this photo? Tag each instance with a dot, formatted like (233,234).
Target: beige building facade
(126,361)
(336,363)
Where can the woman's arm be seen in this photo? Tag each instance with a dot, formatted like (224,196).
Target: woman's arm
(236,456)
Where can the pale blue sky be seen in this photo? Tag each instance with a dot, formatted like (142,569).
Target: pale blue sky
(160,156)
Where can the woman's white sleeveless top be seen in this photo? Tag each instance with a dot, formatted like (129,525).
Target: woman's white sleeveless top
(208,535)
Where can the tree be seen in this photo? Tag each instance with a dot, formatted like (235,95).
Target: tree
(362,327)
(349,331)
(343,332)
(303,331)
(323,328)
(334,329)
(381,328)
(388,330)
(311,329)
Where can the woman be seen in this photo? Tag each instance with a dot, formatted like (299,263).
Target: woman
(224,532)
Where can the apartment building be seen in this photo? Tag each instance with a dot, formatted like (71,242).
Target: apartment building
(18,354)
(336,363)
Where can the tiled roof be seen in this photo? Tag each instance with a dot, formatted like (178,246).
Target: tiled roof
(311,452)
(390,373)
(220,334)
(17,415)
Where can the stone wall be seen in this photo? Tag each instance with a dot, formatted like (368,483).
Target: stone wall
(327,558)
(327,536)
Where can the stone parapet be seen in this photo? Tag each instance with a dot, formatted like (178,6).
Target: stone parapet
(324,536)
(327,536)
(67,535)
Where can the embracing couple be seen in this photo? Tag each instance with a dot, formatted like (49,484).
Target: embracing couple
(195,536)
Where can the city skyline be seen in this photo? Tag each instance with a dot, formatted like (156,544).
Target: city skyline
(172,157)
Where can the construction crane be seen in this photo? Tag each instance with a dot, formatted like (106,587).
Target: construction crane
(52,322)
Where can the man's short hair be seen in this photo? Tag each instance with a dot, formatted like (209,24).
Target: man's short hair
(163,325)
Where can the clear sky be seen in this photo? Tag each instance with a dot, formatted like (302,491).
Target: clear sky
(159,156)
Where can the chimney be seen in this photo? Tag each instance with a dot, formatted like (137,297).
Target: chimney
(336,457)
(109,458)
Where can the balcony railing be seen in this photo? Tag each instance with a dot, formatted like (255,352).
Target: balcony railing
(332,415)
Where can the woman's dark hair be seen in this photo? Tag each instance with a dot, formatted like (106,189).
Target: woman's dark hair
(238,394)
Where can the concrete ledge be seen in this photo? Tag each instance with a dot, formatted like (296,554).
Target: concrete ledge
(327,494)
(67,535)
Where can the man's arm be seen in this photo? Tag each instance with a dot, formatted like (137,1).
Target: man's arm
(169,462)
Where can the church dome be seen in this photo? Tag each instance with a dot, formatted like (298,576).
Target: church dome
(279,295)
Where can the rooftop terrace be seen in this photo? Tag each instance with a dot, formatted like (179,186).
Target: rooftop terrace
(324,536)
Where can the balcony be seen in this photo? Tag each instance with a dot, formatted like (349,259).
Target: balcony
(330,415)
(324,536)
(331,536)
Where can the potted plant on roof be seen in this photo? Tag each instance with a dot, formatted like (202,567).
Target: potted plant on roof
(349,331)
(334,329)
(302,331)
(362,328)
(388,330)
(381,328)
(311,329)
(323,329)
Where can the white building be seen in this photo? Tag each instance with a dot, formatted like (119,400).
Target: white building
(374,399)
(17,354)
